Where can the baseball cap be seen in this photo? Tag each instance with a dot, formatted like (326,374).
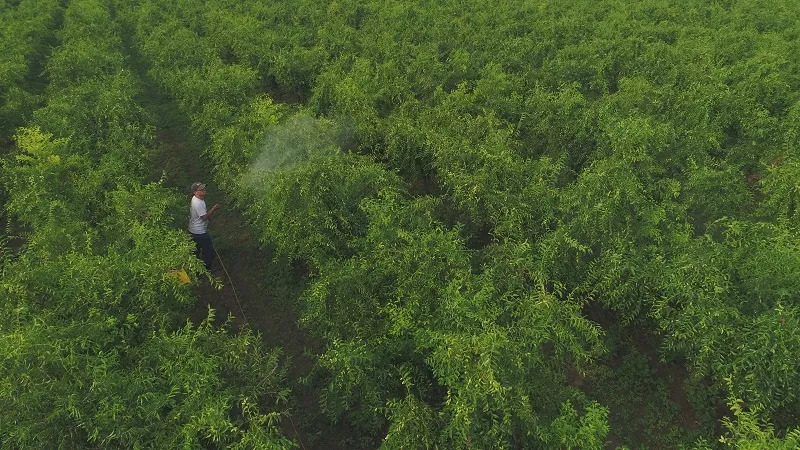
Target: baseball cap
(198,186)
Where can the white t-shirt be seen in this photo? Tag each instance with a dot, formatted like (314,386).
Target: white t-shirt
(197,209)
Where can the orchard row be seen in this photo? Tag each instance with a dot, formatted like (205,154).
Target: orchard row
(96,349)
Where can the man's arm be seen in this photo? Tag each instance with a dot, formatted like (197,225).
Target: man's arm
(210,212)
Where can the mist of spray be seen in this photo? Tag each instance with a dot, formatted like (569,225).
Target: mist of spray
(300,139)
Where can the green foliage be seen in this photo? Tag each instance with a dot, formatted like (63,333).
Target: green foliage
(95,349)
(41,164)
(505,167)
(750,431)
(643,398)
(80,383)
(727,308)
(474,157)
(234,146)
(311,211)
(572,431)
(480,345)
(413,424)
(24,30)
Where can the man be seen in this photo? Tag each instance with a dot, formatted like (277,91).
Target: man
(198,224)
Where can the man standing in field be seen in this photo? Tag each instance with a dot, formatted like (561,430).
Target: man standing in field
(198,224)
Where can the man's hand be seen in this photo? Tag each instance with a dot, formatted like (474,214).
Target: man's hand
(210,212)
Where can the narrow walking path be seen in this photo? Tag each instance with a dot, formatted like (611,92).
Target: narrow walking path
(251,297)
(261,295)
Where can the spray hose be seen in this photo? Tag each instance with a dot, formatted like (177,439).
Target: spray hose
(235,295)
(247,323)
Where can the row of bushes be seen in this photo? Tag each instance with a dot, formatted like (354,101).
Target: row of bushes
(24,30)
(95,347)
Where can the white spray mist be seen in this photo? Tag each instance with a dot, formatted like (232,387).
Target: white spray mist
(297,140)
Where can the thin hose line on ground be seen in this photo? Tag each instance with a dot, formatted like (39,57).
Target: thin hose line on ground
(247,322)
(235,295)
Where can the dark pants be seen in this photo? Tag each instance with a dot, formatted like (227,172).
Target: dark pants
(204,248)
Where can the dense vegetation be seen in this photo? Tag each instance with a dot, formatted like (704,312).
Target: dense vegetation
(24,31)
(95,346)
(489,204)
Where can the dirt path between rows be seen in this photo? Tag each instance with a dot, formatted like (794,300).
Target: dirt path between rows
(255,293)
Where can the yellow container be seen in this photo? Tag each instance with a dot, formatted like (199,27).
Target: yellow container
(180,276)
